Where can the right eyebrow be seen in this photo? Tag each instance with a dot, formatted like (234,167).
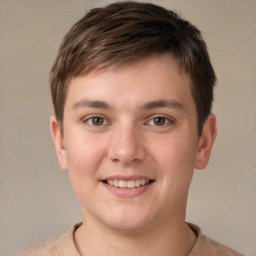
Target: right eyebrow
(91,104)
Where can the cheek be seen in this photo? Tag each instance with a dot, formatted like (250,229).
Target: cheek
(174,160)
(84,157)
(84,154)
(175,155)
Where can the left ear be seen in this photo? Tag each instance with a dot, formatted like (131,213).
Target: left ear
(206,142)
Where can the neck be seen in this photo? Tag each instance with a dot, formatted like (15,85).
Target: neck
(173,238)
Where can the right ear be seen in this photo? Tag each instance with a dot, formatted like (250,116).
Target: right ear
(58,142)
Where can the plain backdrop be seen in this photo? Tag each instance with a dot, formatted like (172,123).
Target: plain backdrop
(36,199)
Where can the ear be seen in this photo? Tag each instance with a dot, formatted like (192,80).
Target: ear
(58,142)
(206,142)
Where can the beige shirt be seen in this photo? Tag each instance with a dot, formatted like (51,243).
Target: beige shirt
(64,245)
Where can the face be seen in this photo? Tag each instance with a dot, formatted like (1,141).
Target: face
(130,143)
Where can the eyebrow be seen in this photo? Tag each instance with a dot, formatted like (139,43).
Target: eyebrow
(91,104)
(162,104)
(147,106)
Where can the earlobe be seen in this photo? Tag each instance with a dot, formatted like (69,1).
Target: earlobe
(206,141)
(58,142)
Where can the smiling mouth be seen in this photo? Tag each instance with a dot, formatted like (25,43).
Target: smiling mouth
(128,183)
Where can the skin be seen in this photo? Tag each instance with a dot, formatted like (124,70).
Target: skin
(145,127)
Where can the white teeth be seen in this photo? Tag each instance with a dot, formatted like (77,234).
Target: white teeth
(122,183)
(130,184)
(137,183)
(127,184)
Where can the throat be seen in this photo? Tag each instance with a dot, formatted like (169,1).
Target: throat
(161,243)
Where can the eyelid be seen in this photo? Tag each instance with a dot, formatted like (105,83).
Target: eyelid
(90,117)
(167,118)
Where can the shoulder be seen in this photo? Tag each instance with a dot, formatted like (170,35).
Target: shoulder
(50,247)
(62,245)
(207,247)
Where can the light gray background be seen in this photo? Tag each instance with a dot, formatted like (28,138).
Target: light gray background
(36,199)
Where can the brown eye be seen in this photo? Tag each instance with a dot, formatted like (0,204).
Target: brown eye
(97,121)
(159,121)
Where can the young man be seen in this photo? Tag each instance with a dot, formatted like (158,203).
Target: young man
(132,88)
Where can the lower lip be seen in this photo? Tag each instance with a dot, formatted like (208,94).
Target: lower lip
(127,192)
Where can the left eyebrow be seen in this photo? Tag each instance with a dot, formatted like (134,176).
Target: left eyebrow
(162,104)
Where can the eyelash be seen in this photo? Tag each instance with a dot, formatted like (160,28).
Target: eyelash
(89,120)
(166,121)
(103,121)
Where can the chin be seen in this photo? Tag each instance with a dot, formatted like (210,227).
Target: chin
(128,222)
(128,227)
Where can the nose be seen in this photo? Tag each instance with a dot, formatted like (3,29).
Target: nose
(126,145)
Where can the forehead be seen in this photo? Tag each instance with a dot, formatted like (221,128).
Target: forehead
(150,78)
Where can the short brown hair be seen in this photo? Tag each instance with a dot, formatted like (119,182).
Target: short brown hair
(125,32)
